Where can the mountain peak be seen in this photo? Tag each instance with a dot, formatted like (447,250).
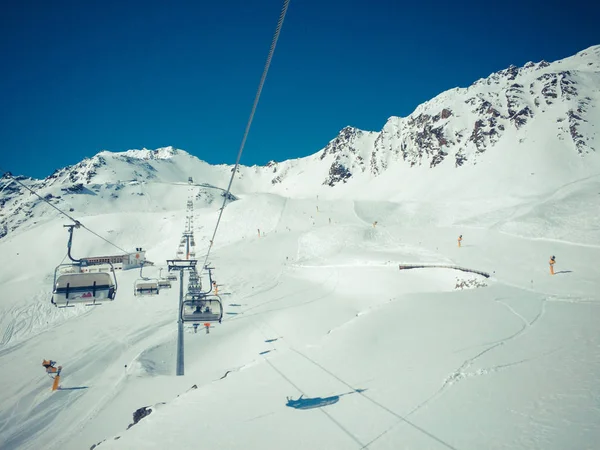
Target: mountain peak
(146,154)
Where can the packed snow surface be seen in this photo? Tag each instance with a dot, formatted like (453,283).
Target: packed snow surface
(324,342)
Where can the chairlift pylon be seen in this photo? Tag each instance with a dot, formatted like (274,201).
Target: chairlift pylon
(72,285)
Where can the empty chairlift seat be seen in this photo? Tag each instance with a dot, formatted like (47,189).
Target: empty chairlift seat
(146,287)
(164,284)
(203,309)
(90,288)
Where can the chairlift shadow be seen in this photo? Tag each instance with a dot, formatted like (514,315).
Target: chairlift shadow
(317,402)
(231,313)
(75,388)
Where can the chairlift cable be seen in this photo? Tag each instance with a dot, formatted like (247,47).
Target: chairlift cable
(7,173)
(77,222)
(250,119)
(103,238)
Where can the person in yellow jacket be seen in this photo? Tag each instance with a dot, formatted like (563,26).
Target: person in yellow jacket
(459,240)
(552,262)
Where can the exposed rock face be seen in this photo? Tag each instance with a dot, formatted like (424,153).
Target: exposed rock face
(443,129)
(139,414)
(346,152)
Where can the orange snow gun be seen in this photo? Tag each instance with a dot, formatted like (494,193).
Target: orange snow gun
(459,240)
(551,262)
(48,364)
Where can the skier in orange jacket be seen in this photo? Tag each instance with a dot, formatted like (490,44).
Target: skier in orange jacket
(552,262)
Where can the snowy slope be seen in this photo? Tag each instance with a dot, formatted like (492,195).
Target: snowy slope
(325,342)
(320,310)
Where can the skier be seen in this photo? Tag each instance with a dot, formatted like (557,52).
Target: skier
(459,240)
(551,262)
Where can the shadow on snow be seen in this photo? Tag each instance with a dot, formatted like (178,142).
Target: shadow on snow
(317,402)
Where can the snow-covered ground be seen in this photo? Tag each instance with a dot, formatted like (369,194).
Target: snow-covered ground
(325,343)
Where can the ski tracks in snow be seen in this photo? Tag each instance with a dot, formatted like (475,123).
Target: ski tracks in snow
(37,316)
(344,429)
(294,385)
(243,314)
(462,373)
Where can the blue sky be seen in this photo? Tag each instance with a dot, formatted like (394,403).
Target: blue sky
(81,77)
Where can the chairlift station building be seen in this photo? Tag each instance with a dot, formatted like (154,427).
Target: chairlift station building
(124,262)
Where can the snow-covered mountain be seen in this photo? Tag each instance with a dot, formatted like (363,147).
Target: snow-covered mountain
(325,343)
(530,130)
(547,111)
(109,177)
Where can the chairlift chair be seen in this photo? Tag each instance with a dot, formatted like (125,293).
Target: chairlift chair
(164,284)
(199,309)
(72,285)
(88,288)
(195,289)
(146,287)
